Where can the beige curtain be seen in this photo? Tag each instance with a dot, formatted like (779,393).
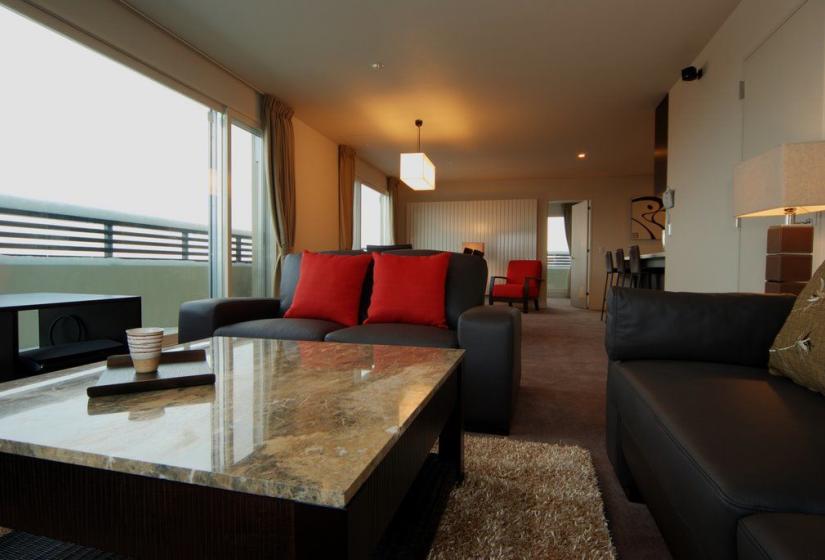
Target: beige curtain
(395,224)
(279,169)
(346,192)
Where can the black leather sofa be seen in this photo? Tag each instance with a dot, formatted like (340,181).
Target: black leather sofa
(729,459)
(490,336)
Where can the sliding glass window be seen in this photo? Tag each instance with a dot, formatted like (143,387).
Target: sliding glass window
(371,217)
(111,181)
(248,217)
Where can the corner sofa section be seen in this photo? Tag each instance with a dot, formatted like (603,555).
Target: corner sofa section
(490,336)
(728,458)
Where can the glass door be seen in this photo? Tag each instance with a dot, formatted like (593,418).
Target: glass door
(248,230)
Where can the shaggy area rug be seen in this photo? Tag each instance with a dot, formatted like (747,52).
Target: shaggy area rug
(524,500)
(518,500)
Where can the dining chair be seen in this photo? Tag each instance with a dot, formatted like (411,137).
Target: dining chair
(610,274)
(622,268)
(637,274)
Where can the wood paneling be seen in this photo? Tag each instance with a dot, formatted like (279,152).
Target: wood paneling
(507,228)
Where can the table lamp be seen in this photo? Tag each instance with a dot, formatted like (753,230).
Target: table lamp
(473,247)
(785,181)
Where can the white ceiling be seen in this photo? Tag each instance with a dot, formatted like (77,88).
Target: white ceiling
(506,88)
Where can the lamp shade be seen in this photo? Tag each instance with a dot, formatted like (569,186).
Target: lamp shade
(473,246)
(417,171)
(790,176)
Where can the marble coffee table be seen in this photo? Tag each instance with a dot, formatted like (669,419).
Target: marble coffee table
(300,450)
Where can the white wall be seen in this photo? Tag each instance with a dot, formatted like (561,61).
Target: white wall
(506,227)
(778,48)
(316,189)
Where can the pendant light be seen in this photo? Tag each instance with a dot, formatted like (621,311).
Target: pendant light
(417,171)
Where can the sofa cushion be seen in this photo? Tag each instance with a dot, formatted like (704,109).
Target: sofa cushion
(466,282)
(721,441)
(515,291)
(284,329)
(329,287)
(409,289)
(291,273)
(799,349)
(397,334)
(781,536)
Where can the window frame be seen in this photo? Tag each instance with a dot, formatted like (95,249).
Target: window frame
(263,231)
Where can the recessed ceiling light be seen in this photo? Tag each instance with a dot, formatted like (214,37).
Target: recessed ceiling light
(377,65)
(581,155)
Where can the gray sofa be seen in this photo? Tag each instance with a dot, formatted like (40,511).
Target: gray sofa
(490,336)
(729,459)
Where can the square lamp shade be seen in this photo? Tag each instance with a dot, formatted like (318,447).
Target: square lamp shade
(473,246)
(418,172)
(787,179)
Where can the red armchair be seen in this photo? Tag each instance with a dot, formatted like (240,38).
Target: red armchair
(520,285)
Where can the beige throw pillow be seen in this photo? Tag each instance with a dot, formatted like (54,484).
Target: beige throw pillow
(798,352)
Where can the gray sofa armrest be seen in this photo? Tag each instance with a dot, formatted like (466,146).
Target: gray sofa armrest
(491,339)
(724,328)
(200,318)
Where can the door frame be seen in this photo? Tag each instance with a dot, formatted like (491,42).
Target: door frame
(588,258)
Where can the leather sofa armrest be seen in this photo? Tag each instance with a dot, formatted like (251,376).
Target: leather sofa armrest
(726,328)
(491,339)
(200,318)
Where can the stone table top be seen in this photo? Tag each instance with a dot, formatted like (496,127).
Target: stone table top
(304,421)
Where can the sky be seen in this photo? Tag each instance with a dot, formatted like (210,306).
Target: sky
(556,236)
(81,129)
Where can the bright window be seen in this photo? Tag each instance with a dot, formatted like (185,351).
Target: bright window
(106,181)
(245,187)
(82,130)
(372,224)
(556,236)
(558,249)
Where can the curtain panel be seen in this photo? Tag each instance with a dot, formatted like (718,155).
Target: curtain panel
(567,212)
(346,196)
(394,224)
(279,170)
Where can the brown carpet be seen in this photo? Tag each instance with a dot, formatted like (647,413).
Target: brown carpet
(524,500)
(562,400)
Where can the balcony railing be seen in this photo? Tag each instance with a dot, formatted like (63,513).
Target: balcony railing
(48,234)
(559,260)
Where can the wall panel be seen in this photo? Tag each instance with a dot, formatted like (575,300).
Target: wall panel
(507,228)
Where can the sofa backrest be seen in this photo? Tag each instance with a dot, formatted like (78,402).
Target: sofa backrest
(466,280)
(517,271)
(383,248)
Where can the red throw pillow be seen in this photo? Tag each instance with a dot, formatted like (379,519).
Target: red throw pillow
(409,289)
(329,287)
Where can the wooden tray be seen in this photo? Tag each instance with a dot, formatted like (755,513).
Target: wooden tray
(185,368)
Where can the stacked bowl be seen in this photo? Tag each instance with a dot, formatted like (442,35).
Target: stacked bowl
(144,347)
